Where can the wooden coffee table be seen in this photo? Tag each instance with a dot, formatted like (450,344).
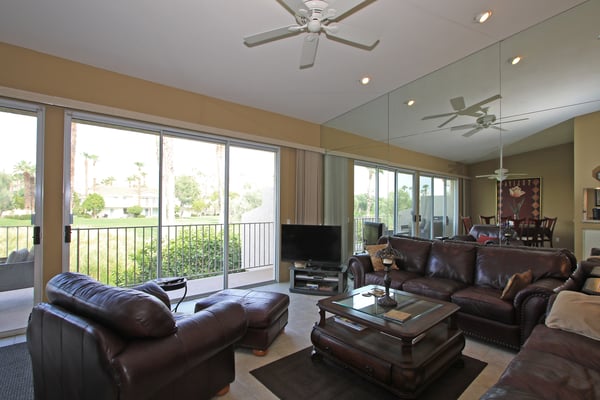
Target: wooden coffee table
(402,355)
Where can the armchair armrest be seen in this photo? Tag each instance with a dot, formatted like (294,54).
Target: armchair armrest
(199,337)
(359,265)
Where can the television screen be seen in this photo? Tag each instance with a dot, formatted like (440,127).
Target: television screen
(315,244)
(372,231)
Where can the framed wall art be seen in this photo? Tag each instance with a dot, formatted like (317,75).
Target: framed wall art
(520,198)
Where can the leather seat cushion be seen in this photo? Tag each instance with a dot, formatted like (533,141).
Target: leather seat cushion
(262,308)
(485,302)
(436,288)
(398,278)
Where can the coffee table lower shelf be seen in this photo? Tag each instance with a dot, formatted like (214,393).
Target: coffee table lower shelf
(404,370)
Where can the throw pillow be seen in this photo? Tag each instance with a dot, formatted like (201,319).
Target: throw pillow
(577,313)
(516,283)
(376,261)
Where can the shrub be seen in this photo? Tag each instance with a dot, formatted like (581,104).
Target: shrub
(192,254)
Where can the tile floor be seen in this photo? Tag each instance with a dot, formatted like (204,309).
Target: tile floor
(296,336)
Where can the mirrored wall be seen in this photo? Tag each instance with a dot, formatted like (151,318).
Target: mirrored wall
(464,111)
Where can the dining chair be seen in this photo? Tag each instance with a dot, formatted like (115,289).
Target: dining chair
(531,232)
(547,230)
(488,220)
(467,224)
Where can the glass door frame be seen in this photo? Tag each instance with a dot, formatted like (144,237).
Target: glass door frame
(37,220)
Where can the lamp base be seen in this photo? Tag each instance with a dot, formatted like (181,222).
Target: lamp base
(387,301)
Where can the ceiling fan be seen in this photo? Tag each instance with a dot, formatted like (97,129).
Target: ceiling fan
(483,122)
(460,108)
(500,175)
(314,17)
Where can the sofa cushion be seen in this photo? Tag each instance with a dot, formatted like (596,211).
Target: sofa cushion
(16,256)
(452,260)
(496,264)
(130,312)
(398,278)
(415,251)
(576,312)
(437,288)
(484,302)
(516,283)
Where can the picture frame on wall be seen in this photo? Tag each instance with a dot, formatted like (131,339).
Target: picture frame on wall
(521,198)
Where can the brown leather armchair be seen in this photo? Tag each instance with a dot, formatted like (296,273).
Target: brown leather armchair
(93,341)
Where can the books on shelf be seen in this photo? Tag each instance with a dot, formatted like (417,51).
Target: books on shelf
(349,323)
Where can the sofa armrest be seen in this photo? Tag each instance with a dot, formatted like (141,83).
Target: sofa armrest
(359,265)
(199,337)
(153,289)
(530,307)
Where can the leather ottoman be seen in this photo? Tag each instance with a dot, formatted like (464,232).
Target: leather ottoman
(267,314)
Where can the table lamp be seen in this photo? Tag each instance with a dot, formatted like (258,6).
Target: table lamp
(388,254)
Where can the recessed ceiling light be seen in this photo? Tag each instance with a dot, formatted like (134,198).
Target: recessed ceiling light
(483,16)
(515,60)
(365,80)
(410,102)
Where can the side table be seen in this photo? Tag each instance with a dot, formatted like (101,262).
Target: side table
(173,283)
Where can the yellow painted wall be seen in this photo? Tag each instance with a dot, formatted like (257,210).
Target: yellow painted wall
(555,166)
(65,85)
(587,143)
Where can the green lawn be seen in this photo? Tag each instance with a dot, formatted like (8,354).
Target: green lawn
(117,222)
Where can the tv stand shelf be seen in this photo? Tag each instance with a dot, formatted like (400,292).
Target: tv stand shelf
(318,280)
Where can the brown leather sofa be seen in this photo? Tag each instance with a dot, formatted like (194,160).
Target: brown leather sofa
(474,277)
(93,341)
(554,363)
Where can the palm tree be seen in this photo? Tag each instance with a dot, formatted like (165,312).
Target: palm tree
(94,159)
(24,173)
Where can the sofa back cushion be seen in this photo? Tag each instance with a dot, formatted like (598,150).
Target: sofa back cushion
(415,253)
(496,264)
(129,312)
(452,260)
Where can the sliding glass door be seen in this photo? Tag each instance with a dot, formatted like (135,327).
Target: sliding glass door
(148,202)
(437,207)
(21,127)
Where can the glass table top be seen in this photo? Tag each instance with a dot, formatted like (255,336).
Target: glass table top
(408,308)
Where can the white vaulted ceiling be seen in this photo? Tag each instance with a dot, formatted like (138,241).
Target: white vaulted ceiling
(423,52)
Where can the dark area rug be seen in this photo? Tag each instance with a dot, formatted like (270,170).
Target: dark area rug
(16,381)
(297,376)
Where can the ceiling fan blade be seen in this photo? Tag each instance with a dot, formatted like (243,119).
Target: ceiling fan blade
(472,132)
(448,121)
(268,36)
(437,116)
(488,100)
(339,8)
(514,120)
(351,35)
(309,50)
(458,103)
(466,126)
(497,128)
(293,5)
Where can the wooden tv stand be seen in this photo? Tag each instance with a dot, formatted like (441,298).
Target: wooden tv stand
(319,281)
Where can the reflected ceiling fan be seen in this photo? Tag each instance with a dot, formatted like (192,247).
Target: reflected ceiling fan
(313,18)
(483,122)
(458,105)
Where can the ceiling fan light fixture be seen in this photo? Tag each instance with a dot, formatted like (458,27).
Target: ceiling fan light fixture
(483,16)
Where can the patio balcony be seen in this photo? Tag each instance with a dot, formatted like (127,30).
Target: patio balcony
(127,256)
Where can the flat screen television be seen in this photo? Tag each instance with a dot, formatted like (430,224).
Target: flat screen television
(372,231)
(318,245)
